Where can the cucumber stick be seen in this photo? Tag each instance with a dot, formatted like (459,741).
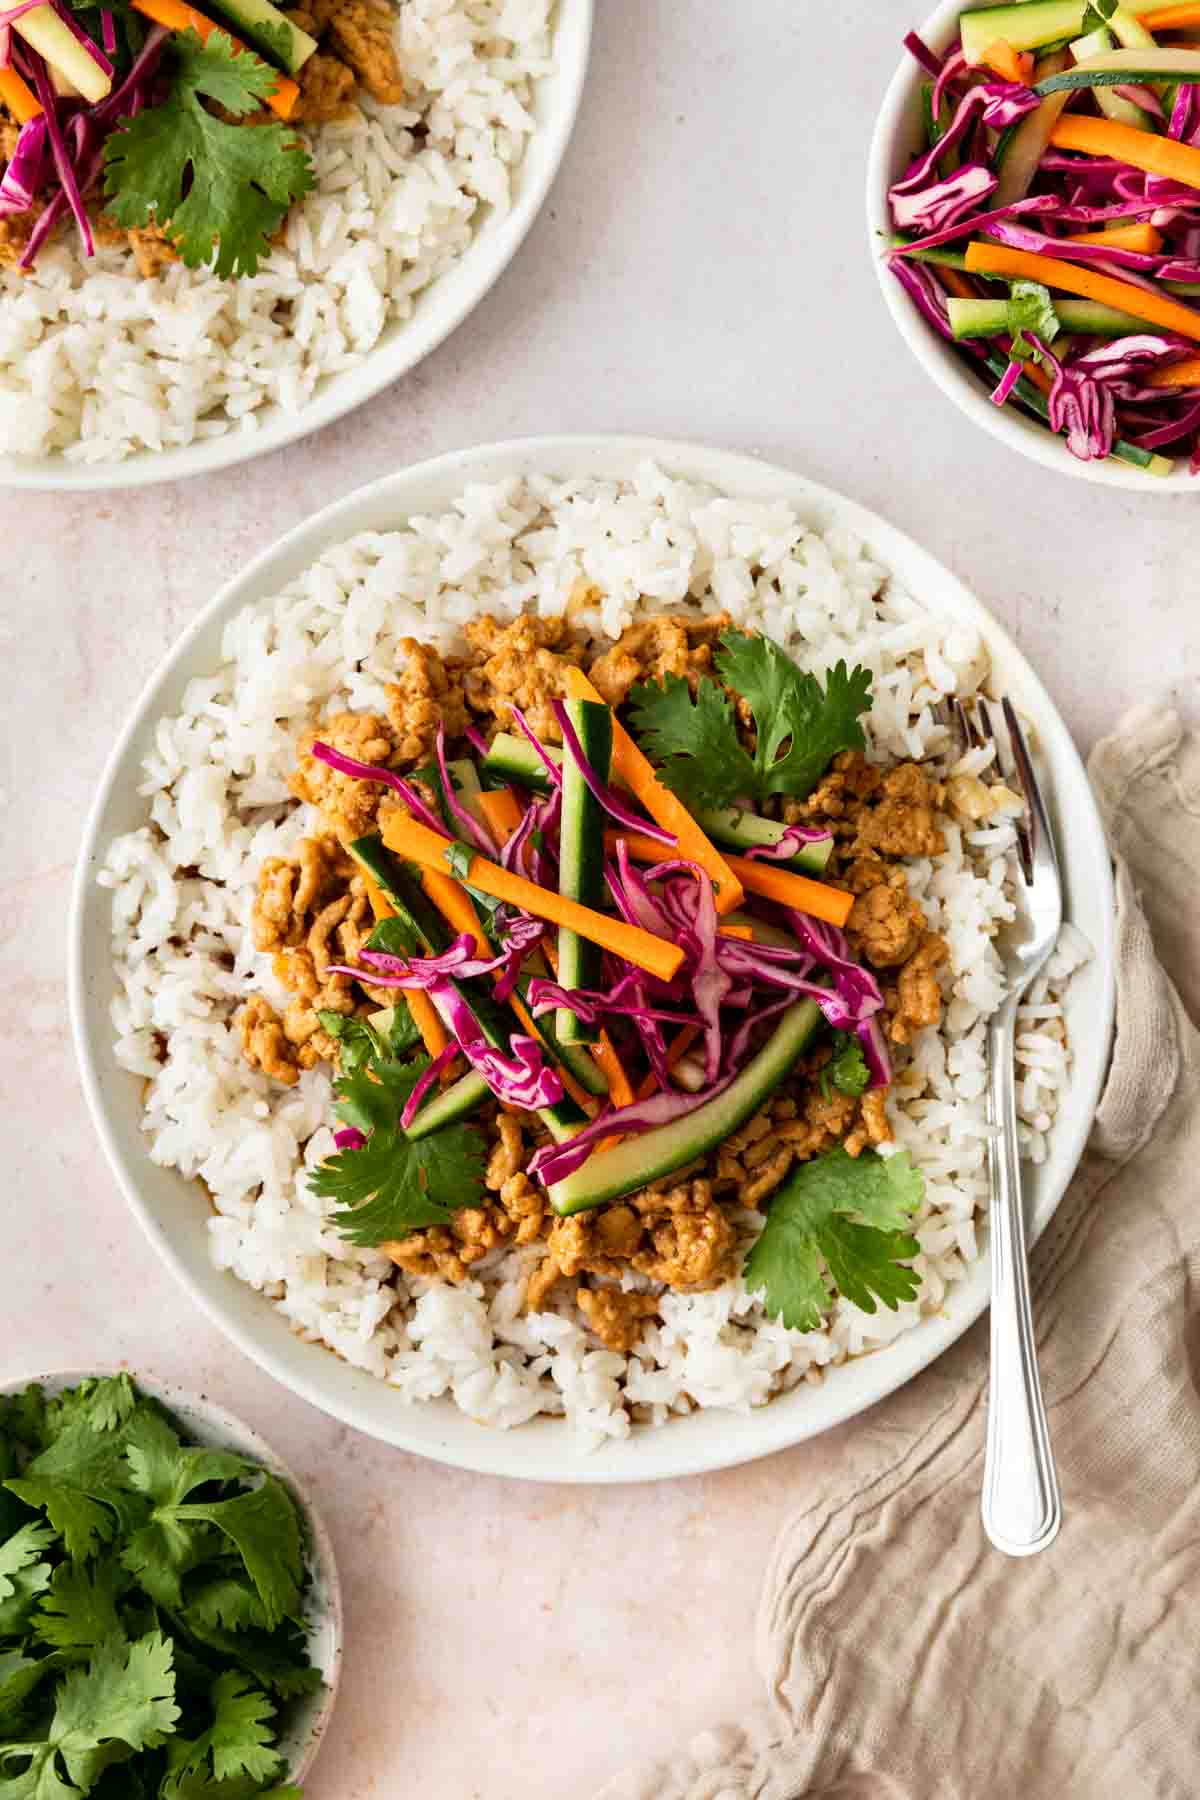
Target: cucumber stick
(45,32)
(1030,24)
(431,935)
(989,318)
(1115,68)
(1114,106)
(270,31)
(581,858)
(513,758)
(647,1155)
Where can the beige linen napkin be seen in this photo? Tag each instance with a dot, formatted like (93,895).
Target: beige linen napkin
(903,1658)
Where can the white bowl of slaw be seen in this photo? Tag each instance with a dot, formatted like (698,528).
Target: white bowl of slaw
(896,140)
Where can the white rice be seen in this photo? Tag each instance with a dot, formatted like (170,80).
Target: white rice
(183,888)
(98,362)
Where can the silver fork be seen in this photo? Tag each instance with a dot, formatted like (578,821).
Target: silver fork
(1022,1510)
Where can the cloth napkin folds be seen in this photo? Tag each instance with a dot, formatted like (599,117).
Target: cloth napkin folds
(903,1657)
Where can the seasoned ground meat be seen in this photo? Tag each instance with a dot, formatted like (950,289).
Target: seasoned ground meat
(664,644)
(326,89)
(428,692)
(14,235)
(152,250)
(616,1318)
(349,806)
(361,32)
(902,824)
(264,1044)
(918,995)
(886,924)
(523,664)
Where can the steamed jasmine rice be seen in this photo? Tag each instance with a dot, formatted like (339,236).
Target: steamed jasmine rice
(184,886)
(98,362)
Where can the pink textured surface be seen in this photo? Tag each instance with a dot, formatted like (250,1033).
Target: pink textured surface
(692,276)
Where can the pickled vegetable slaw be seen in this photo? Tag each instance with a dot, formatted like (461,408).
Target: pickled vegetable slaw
(1050,228)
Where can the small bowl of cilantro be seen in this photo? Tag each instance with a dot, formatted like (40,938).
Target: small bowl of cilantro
(170,1621)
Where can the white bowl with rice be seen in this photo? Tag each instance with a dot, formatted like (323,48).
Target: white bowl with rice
(897,138)
(109,380)
(316,617)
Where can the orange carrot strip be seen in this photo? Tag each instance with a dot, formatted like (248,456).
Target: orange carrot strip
(19,97)
(1004,61)
(1171,18)
(454,904)
(502,810)
(1140,149)
(745,932)
(998,259)
(1180,374)
(1143,237)
(631,767)
(417,843)
(956,283)
(176,15)
(816,898)
(425,1015)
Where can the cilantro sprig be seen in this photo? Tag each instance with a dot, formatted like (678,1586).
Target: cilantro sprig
(150,1605)
(800,726)
(838,1225)
(394,1184)
(219,190)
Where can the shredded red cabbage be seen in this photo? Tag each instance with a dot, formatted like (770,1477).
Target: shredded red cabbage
(919,49)
(554,1162)
(794,839)
(608,796)
(523,726)
(468,828)
(27,170)
(428,1079)
(1006,383)
(360,771)
(349,1138)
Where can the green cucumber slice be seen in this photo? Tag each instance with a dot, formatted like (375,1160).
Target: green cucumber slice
(581,858)
(650,1154)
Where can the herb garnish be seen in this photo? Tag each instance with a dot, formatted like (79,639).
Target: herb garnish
(209,184)
(846,1069)
(838,1225)
(149,1619)
(800,726)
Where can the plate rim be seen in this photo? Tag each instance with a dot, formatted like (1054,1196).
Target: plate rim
(766,1429)
(497,243)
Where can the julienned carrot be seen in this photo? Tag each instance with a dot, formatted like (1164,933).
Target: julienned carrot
(1004,61)
(502,810)
(1140,149)
(1143,237)
(417,843)
(957,284)
(176,15)
(424,1013)
(631,767)
(18,96)
(745,932)
(816,898)
(1180,374)
(1171,18)
(997,259)
(454,904)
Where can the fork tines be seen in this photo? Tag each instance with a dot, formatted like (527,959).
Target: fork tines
(976,728)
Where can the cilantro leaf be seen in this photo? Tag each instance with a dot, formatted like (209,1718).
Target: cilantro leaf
(80,1610)
(696,744)
(162,1469)
(838,1225)
(394,1185)
(23,1576)
(225,1602)
(458,859)
(263,1526)
(800,726)
(846,1069)
(82,1522)
(20,1675)
(278,1662)
(122,1700)
(1030,308)
(361,1041)
(791,708)
(213,186)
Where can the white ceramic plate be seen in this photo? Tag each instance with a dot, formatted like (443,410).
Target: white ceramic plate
(173,1211)
(304,1721)
(897,139)
(402,344)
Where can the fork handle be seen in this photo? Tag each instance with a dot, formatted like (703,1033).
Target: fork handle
(1021,1507)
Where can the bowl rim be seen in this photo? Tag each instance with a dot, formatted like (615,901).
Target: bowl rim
(440,308)
(679,1449)
(234,1430)
(939,361)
